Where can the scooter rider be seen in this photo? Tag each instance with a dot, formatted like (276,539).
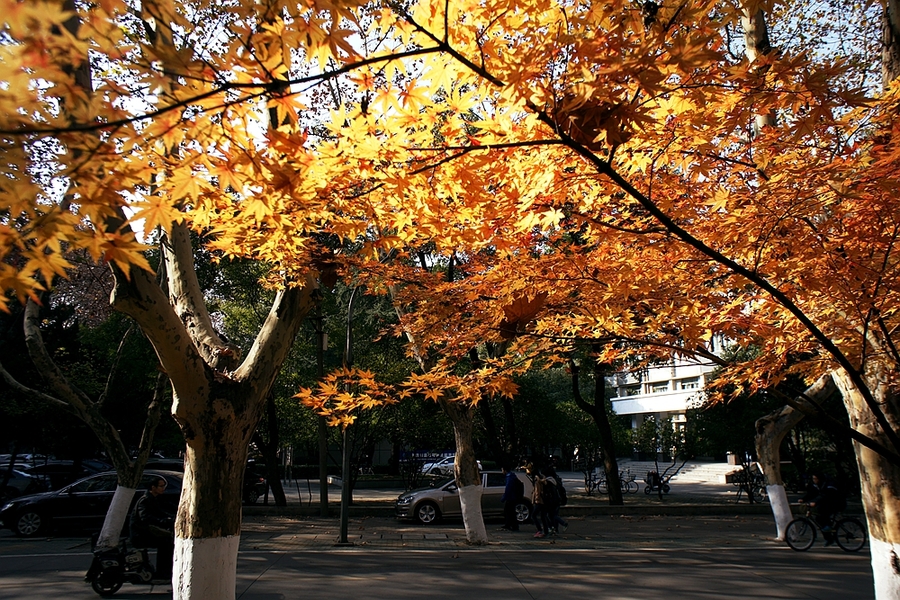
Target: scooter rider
(153,527)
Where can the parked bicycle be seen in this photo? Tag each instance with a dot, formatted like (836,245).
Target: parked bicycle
(595,481)
(626,480)
(848,532)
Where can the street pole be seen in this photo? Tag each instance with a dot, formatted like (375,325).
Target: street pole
(323,426)
(345,463)
(345,488)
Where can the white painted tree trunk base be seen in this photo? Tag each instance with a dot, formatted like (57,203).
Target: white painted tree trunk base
(205,568)
(781,509)
(115,517)
(886,569)
(470,504)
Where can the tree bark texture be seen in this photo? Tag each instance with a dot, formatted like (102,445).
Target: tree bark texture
(468,478)
(757,45)
(879,477)
(890,39)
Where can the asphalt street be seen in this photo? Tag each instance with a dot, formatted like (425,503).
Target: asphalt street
(614,556)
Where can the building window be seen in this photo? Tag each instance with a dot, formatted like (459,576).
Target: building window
(633,390)
(690,384)
(656,388)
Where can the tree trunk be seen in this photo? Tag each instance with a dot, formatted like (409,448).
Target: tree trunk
(756,44)
(207,530)
(468,478)
(217,404)
(597,410)
(269,449)
(770,430)
(890,37)
(879,477)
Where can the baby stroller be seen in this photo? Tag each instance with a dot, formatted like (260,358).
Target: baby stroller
(656,483)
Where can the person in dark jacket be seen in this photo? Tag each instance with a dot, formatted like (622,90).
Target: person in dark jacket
(512,495)
(826,499)
(152,527)
(559,498)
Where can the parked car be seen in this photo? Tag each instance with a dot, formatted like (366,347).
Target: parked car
(254,481)
(255,484)
(442,467)
(166,464)
(429,505)
(56,474)
(81,505)
(19,483)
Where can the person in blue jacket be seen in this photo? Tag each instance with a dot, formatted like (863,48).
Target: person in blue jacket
(512,495)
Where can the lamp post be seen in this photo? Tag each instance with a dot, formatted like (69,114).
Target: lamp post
(345,462)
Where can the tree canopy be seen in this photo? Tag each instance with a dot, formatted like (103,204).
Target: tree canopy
(598,171)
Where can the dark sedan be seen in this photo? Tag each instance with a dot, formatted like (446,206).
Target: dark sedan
(81,505)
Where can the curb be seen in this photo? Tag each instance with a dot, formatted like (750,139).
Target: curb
(384,510)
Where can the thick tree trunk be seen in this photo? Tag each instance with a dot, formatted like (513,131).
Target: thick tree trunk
(217,407)
(770,431)
(207,529)
(879,477)
(468,478)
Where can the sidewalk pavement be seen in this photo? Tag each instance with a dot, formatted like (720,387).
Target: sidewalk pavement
(603,557)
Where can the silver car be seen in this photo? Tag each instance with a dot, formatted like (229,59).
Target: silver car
(442,467)
(429,505)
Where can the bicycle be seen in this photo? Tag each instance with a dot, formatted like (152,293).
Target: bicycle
(849,533)
(626,480)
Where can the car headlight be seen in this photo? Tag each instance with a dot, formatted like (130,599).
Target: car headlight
(404,499)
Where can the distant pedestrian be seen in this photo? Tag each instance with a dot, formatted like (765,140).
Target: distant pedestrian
(554,497)
(512,496)
(538,514)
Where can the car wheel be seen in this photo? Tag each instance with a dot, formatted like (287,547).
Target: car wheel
(428,513)
(523,512)
(29,524)
(251,496)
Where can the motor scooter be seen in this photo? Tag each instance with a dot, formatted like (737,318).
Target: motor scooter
(112,567)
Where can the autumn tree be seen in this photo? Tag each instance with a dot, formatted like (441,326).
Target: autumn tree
(601,154)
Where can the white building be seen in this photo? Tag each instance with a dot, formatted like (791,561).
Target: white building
(664,391)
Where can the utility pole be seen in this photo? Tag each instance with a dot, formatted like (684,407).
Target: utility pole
(321,344)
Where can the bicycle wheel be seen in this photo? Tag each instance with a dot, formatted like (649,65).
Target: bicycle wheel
(633,487)
(800,534)
(850,534)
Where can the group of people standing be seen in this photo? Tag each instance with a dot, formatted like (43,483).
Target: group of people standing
(547,496)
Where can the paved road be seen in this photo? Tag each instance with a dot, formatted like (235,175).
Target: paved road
(611,557)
